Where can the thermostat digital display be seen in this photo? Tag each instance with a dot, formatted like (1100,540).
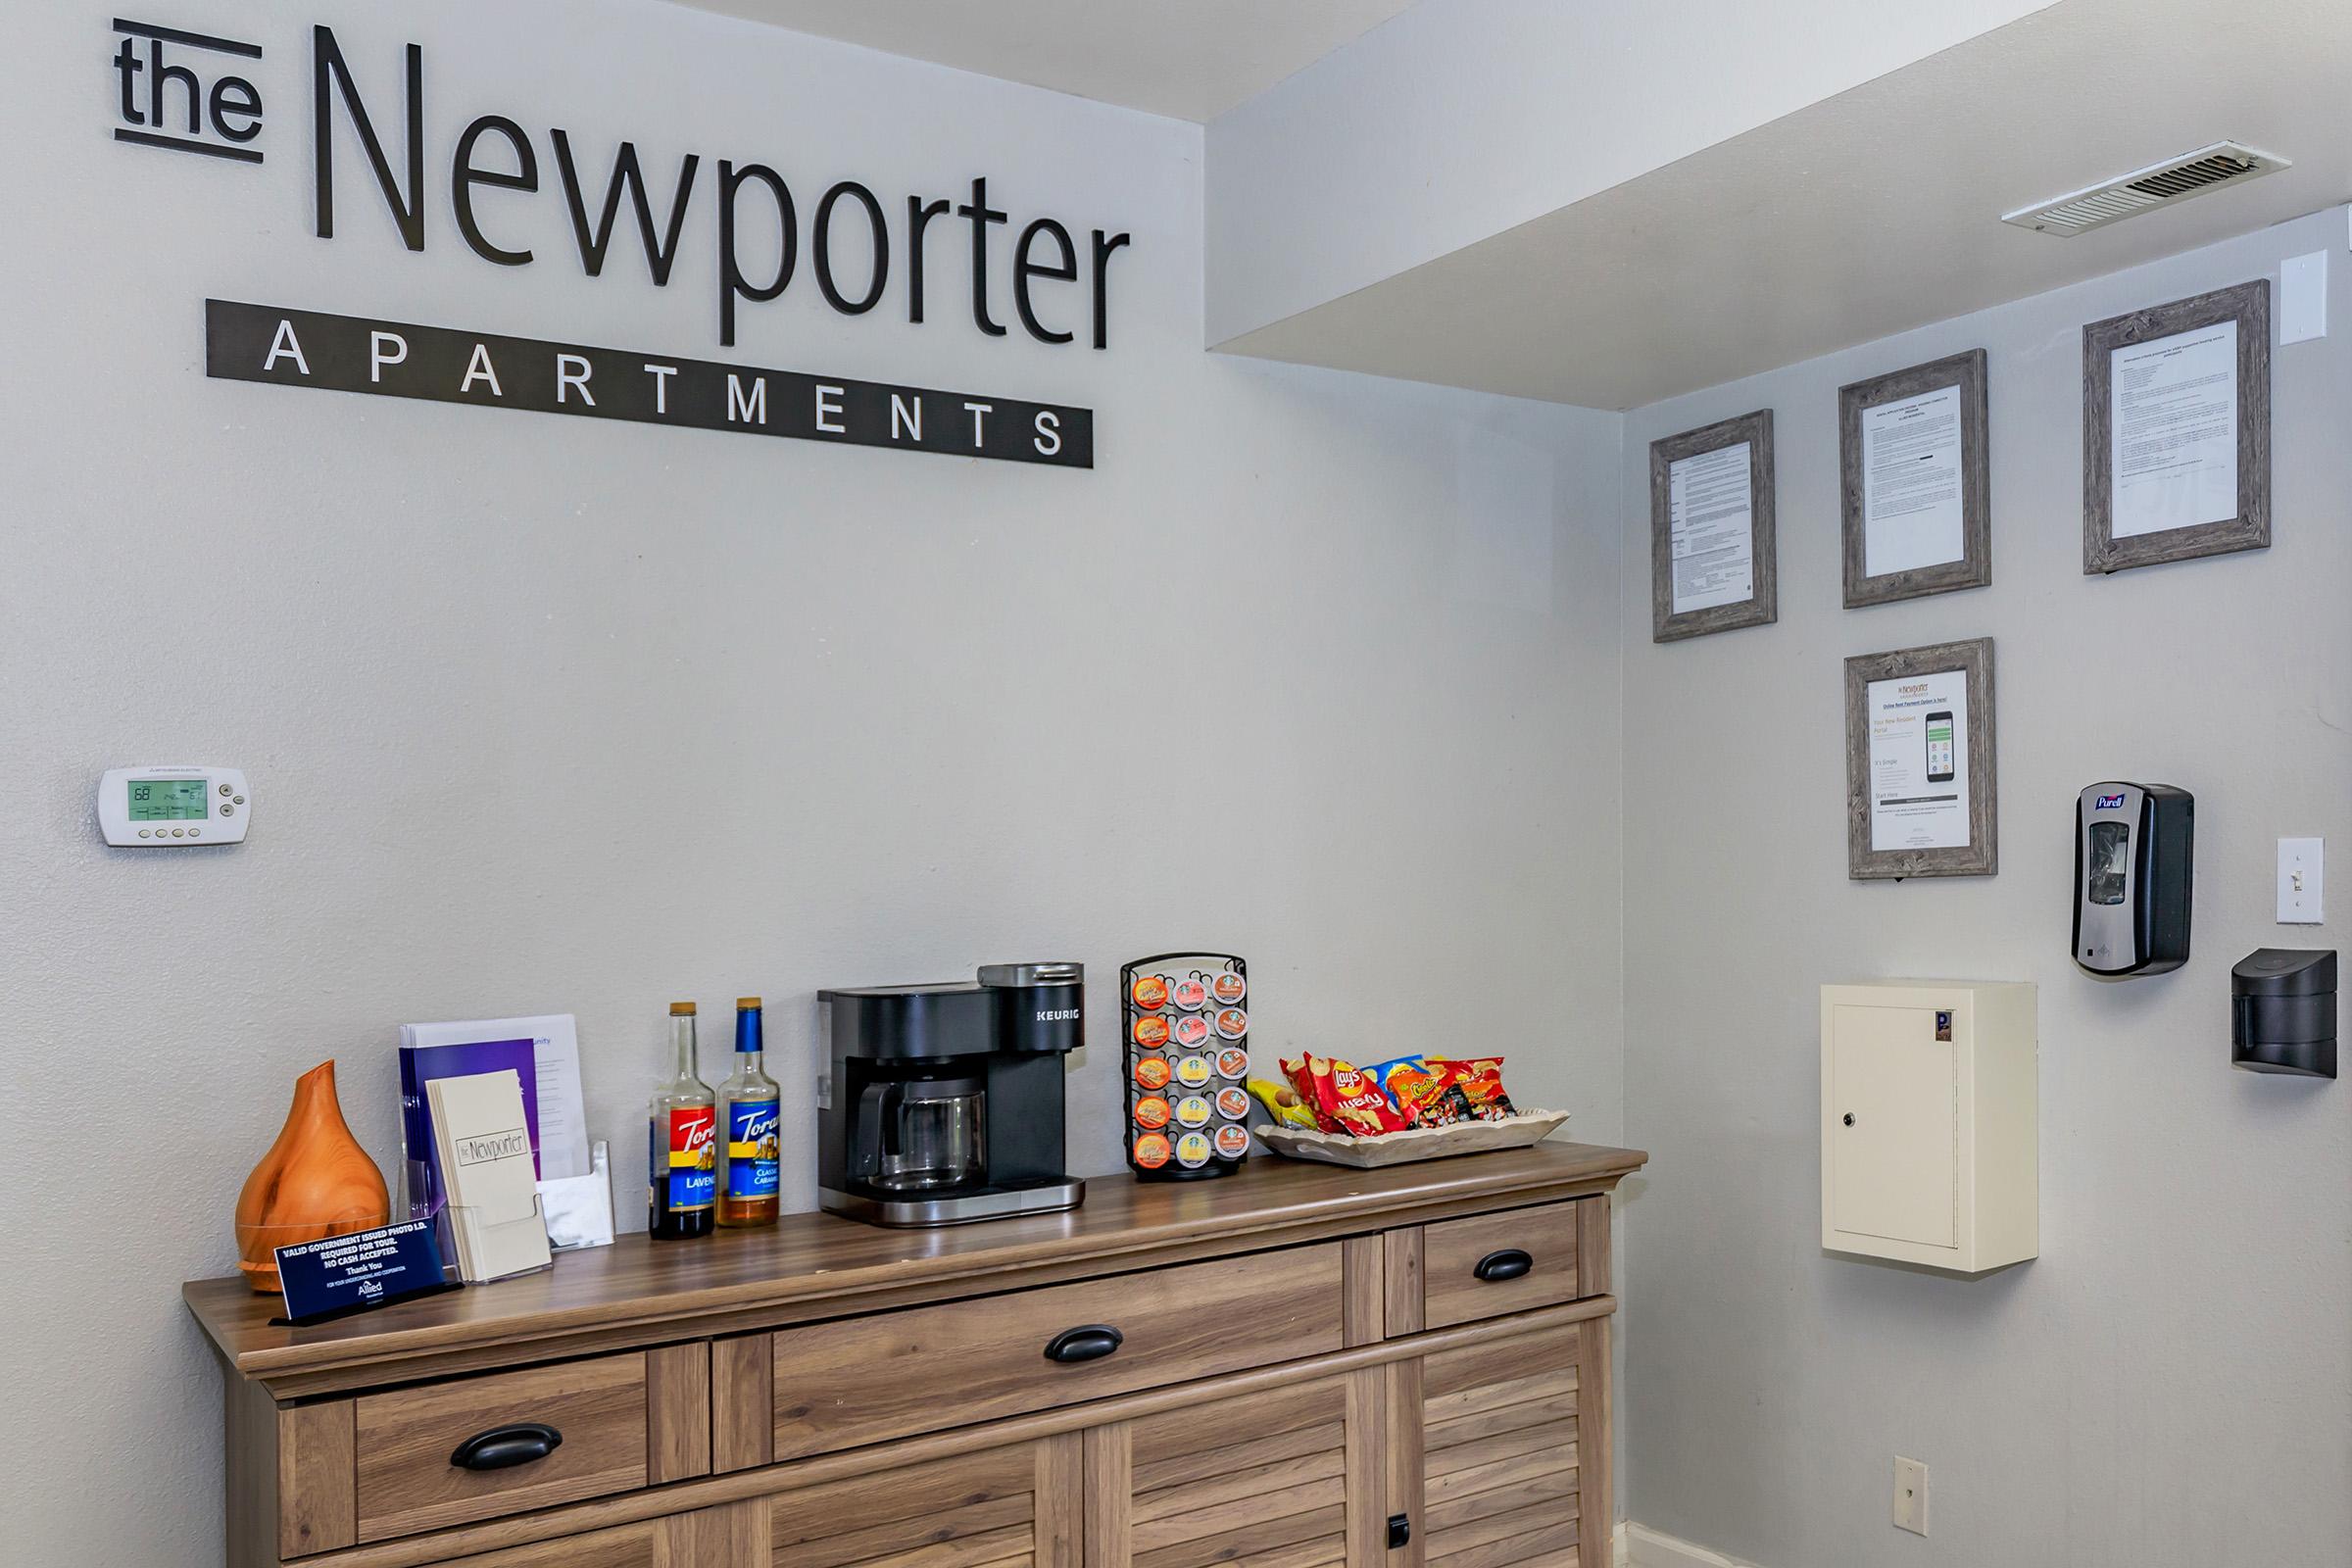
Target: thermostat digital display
(172,807)
(167,800)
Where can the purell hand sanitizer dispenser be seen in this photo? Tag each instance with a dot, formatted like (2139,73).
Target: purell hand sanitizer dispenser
(2132,877)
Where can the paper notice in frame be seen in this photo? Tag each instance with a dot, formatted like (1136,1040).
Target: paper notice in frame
(1712,528)
(1919,783)
(2173,442)
(1912,512)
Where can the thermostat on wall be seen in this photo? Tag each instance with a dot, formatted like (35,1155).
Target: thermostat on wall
(171,807)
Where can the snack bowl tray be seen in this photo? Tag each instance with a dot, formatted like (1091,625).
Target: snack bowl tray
(1523,1131)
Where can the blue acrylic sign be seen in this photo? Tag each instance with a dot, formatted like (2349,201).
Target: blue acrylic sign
(352,1273)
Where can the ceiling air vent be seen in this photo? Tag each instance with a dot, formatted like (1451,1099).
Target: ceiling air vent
(2224,163)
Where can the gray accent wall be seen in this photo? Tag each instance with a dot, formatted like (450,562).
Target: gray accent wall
(2171,1383)
(545,714)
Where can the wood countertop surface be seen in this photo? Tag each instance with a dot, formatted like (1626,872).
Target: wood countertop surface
(815,1264)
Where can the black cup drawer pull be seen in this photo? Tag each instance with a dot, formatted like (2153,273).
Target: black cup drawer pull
(1508,1264)
(1089,1344)
(500,1447)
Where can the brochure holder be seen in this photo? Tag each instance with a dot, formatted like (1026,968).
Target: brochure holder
(579,1208)
(489,1226)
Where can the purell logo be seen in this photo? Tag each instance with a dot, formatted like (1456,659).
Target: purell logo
(1060,1015)
(2109,802)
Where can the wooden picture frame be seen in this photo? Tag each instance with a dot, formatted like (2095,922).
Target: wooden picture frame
(1974,566)
(1762,607)
(2249,304)
(1981,854)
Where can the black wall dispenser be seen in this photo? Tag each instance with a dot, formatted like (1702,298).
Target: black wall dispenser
(2132,879)
(2283,1012)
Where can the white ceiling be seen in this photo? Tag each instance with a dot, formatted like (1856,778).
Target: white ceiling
(1870,212)
(1189,59)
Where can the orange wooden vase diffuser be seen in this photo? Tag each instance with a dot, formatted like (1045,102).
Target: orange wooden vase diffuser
(316,1182)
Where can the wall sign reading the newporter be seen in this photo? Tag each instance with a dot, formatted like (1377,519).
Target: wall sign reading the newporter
(441,365)
(187,91)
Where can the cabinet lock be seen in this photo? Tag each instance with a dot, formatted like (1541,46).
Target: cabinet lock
(1400,1530)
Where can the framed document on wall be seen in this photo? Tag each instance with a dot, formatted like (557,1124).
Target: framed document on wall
(2176,430)
(1918,762)
(1712,551)
(1917,481)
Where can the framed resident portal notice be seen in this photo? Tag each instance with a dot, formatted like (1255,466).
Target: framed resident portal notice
(1918,762)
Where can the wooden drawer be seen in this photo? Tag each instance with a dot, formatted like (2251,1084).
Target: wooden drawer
(1527,1255)
(865,1380)
(628,1547)
(407,1479)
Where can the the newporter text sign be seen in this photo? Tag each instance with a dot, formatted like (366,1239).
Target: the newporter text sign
(197,92)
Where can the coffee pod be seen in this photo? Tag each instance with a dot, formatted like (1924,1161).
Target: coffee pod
(1151,1072)
(1232,1141)
(1233,1064)
(1151,1030)
(1193,1111)
(1152,1150)
(1193,1150)
(1191,993)
(1233,1103)
(1150,992)
(1193,1072)
(1233,1023)
(1228,988)
(1152,1112)
(1191,1030)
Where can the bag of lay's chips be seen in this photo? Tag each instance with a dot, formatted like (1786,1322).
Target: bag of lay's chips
(1302,1084)
(1283,1105)
(1345,1099)
(1423,1091)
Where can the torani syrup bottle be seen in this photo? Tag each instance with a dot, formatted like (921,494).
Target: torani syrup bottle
(749,1105)
(682,1137)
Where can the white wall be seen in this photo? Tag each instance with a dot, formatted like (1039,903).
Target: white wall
(1461,118)
(2171,1382)
(544,713)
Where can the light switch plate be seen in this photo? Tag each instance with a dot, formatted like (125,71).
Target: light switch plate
(2303,298)
(2300,862)
(1910,1496)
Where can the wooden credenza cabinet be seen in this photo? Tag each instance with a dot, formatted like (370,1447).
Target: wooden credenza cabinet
(1297,1367)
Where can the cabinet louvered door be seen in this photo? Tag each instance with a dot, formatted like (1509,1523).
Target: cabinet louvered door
(1499,1426)
(1016,1506)
(1287,1479)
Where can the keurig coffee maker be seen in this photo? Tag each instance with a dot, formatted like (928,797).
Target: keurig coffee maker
(943,1102)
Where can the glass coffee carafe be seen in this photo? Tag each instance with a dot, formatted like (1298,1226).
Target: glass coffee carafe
(922,1135)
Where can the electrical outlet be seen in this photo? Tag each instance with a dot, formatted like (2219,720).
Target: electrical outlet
(1910,1496)
(2299,865)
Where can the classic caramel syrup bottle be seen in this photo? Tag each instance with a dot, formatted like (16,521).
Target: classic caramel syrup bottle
(749,1110)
